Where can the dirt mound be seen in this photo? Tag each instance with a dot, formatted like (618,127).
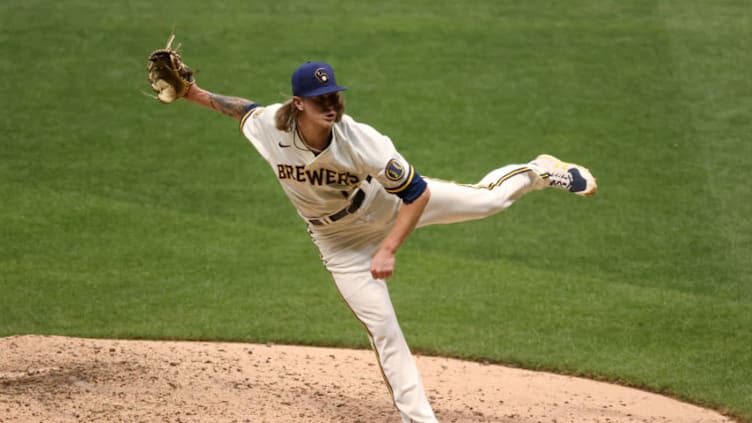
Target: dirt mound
(59,379)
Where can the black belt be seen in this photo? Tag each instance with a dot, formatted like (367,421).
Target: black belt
(355,204)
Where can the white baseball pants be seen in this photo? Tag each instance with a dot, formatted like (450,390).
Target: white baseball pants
(348,245)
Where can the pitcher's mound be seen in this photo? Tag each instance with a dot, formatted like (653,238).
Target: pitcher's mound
(59,379)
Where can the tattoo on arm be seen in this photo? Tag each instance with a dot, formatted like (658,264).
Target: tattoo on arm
(231,106)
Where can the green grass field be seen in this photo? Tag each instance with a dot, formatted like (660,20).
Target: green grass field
(121,217)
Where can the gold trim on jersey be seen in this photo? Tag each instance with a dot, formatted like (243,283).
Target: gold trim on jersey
(247,115)
(404,185)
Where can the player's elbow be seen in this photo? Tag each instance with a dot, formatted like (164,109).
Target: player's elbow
(420,201)
(425,196)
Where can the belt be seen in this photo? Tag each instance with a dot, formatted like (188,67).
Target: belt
(355,204)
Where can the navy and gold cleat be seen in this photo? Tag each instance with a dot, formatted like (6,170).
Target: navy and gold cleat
(566,176)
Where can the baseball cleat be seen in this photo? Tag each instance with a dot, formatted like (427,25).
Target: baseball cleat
(566,176)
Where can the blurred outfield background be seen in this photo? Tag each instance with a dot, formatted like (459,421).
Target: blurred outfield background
(121,217)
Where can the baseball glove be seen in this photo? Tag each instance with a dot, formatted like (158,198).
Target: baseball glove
(170,78)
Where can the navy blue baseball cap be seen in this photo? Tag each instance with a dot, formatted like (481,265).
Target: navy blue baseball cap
(313,79)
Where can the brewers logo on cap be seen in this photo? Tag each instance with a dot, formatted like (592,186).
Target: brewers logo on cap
(394,170)
(321,75)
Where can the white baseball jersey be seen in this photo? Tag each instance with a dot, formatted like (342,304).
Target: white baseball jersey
(360,167)
(321,185)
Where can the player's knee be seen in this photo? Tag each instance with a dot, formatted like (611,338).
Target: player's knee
(385,327)
(494,202)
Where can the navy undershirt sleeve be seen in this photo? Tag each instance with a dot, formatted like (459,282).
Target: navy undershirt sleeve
(417,187)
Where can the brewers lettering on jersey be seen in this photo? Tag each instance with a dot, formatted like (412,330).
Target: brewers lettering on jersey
(360,199)
(316,177)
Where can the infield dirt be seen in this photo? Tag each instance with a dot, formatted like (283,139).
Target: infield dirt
(60,379)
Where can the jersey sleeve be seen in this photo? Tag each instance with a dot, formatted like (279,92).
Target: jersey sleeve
(382,160)
(255,124)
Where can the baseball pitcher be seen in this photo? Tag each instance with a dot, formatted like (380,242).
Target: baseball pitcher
(358,196)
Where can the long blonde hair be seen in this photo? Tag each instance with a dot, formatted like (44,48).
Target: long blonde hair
(287,115)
